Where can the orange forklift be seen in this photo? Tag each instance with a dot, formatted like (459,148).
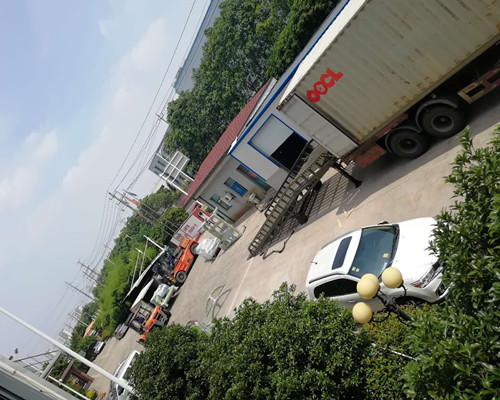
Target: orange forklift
(186,253)
(156,319)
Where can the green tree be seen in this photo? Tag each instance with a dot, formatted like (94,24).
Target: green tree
(168,223)
(155,204)
(231,71)
(303,20)
(458,348)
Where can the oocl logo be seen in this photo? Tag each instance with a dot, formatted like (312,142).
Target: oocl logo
(321,87)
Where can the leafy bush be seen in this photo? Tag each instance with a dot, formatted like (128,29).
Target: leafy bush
(169,367)
(287,348)
(91,394)
(458,347)
(391,352)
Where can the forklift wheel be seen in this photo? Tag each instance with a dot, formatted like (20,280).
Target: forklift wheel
(180,277)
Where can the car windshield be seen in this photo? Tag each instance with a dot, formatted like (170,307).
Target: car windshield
(376,248)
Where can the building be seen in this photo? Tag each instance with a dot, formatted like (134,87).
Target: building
(223,182)
(170,169)
(184,78)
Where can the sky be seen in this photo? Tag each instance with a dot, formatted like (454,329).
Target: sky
(76,81)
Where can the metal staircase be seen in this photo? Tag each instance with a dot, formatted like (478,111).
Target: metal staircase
(311,165)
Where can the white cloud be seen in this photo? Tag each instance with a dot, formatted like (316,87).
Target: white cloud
(32,139)
(105,27)
(18,185)
(16,189)
(146,53)
(41,146)
(122,101)
(47,148)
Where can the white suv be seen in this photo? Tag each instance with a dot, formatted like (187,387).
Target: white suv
(339,265)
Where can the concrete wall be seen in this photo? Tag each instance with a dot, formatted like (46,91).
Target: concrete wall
(215,185)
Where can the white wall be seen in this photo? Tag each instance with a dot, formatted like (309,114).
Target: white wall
(215,185)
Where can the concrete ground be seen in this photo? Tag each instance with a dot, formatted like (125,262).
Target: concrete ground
(113,353)
(393,190)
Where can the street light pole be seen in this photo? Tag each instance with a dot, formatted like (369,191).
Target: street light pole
(121,382)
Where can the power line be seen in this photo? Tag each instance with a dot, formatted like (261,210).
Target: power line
(104,224)
(153,102)
(79,290)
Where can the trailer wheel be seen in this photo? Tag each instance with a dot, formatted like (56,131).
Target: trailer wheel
(442,121)
(408,143)
(180,277)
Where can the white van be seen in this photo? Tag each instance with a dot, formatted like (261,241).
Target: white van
(117,392)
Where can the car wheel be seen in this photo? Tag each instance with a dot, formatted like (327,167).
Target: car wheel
(193,249)
(408,144)
(442,121)
(180,277)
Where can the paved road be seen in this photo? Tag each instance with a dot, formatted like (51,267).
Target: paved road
(392,190)
(113,353)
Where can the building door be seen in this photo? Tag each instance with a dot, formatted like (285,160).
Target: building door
(288,152)
(278,142)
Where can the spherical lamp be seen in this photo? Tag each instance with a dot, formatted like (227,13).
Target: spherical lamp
(371,276)
(392,278)
(367,287)
(362,313)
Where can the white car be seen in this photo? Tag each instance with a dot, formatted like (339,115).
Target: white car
(99,346)
(339,265)
(117,392)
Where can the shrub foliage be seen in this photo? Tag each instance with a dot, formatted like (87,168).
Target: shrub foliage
(287,348)
(458,347)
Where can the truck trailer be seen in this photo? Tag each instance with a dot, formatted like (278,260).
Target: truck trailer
(386,75)
(383,76)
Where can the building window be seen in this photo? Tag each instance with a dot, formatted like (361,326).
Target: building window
(217,199)
(241,190)
(253,177)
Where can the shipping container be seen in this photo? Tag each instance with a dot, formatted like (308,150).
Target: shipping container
(386,66)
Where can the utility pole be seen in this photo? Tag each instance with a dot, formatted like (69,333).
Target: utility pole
(136,211)
(87,268)
(80,291)
(78,320)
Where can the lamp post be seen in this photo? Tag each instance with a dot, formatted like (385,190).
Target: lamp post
(368,288)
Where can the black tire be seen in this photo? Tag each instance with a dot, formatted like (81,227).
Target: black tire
(442,121)
(193,249)
(408,144)
(180,277)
